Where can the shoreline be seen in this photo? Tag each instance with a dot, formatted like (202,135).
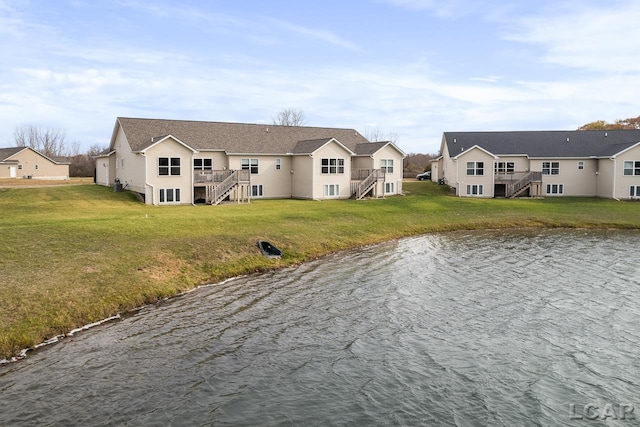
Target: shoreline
(24,353)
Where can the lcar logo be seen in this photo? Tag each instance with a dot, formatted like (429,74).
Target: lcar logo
(610,411)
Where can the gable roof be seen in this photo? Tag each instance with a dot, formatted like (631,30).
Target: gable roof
(6,153)
(475,147)
(545,144)
(232,137)
(370,148)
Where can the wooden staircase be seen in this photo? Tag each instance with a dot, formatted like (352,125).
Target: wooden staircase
(215,194)
(518,187)
(361,187)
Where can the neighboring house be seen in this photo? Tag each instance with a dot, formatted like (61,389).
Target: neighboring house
(184,162)
(542,163)
(25,162)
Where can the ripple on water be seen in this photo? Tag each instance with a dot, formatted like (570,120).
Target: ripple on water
(468,328)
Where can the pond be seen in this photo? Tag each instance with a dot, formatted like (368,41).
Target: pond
(534,327)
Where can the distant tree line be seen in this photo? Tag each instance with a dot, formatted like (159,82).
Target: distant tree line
(631,123)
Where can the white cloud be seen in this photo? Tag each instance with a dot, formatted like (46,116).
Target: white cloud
(602,39)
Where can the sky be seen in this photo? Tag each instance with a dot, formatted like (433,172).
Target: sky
(407,70)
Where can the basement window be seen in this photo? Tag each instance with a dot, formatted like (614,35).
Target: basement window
(331,190)
(475,190)
(169,195)
(555,189)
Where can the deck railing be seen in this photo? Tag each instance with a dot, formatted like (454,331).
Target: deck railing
(516,181)
(217,190)
(365,182)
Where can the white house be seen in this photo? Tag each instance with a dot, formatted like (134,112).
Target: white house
(184,162)
(541,163)
(25,162)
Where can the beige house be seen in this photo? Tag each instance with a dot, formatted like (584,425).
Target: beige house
(185,162)
(544,163)
(25,162)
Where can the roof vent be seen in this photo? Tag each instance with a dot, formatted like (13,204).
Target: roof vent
(454,140)
(605,134)
(267,130)
(567,139)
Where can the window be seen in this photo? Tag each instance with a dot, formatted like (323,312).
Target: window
(256,190)
(634,191)
(37,167)
(632,167)
(278,164)
(550,168)
(505,167)
(169,195)
(251,165)
(19,167)
(332,165)
(580,165)
(169,166)
(388,187)
(555,189)
(475,190)
(475,168)
(386,165)
(331,190)
(203,164)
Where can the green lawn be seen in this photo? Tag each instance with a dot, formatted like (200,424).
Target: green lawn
(74,255)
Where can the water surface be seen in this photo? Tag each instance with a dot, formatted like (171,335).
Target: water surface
(468,328)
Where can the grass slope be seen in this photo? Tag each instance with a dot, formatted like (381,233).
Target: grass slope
(73,255)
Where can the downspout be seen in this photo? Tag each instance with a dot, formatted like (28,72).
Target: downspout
(458,178)
(146,169)
(193,189)
(493,180)
(615,171)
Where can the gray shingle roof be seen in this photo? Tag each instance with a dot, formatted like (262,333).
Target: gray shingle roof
(5,153)
(235,137)
(545,143)
(369,148)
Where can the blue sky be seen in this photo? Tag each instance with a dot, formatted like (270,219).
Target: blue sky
(410,69)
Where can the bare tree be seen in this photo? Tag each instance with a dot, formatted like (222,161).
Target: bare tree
(290,117)
(377,135)
(48,141)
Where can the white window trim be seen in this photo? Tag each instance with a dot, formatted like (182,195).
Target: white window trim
(278,164)
(475,168)
(339,165)
(328,188)
(388,188)
(580,165)
(386,165)
(202,166)
(504,167)
(169,167)
(551,168)
(250,164)
(163,193)
(259,190)
(635,166)
(559,190)
(479,190)
(634,191)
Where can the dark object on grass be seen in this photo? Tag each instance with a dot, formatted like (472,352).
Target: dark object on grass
(269,250)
